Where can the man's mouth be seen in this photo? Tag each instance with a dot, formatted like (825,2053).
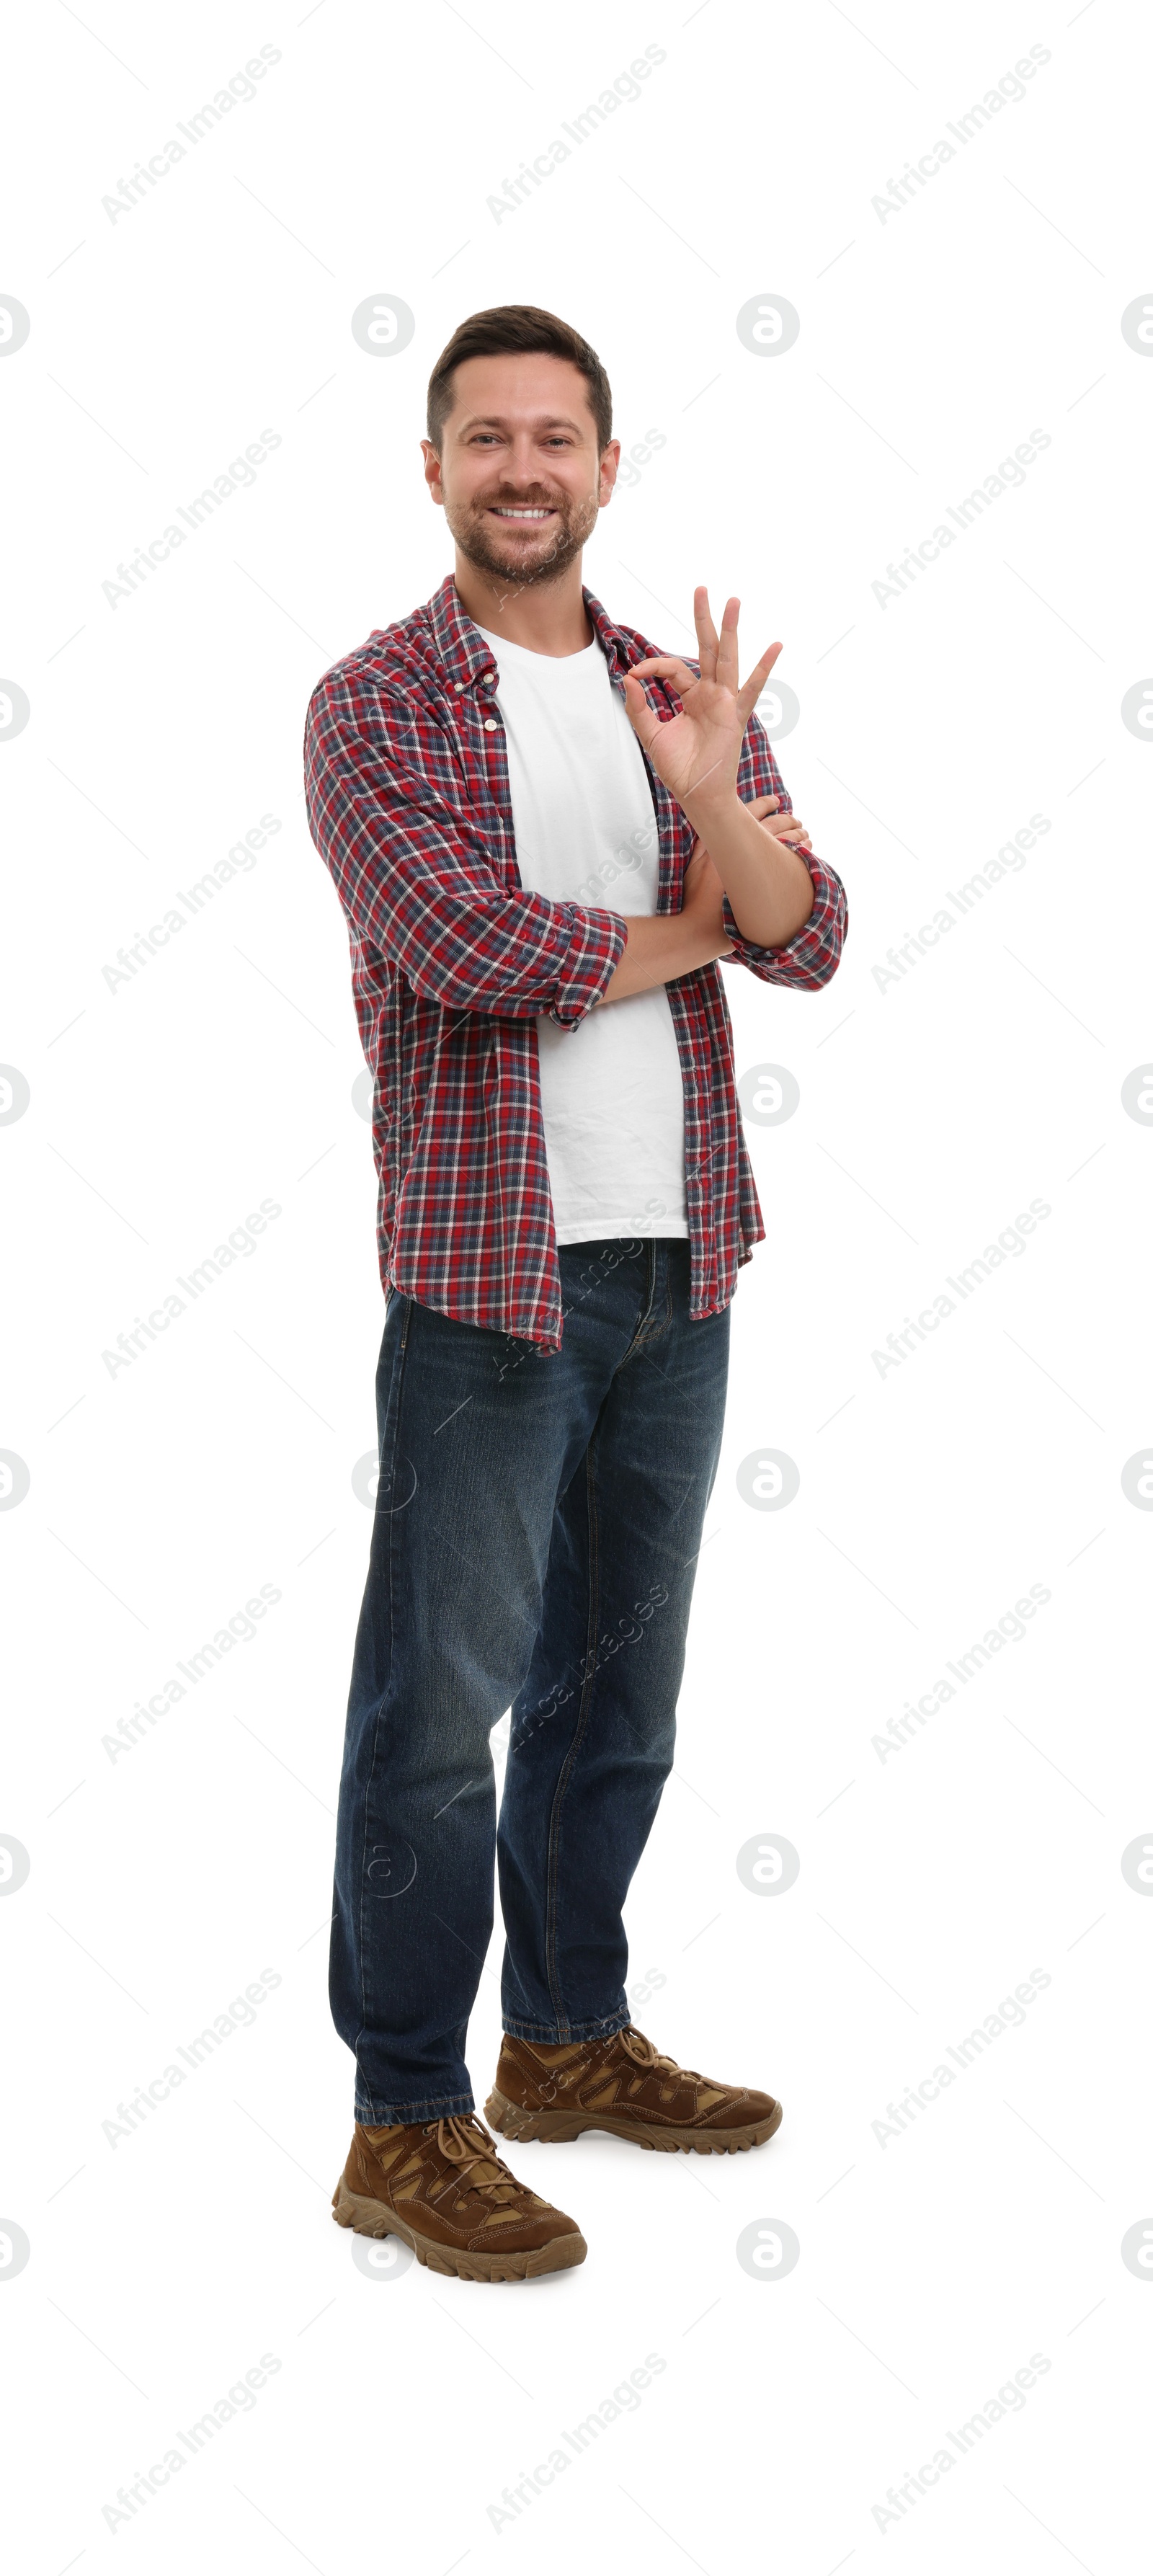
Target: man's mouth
(503,510)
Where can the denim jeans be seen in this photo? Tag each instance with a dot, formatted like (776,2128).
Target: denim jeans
(535,1539)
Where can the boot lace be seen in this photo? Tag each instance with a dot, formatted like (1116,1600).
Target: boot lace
(465,2142)
(643,2052)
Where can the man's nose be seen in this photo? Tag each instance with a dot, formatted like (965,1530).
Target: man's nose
(522,464)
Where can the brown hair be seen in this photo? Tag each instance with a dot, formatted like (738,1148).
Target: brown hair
(515,327)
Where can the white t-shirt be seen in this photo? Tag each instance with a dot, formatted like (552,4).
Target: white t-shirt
(586,832)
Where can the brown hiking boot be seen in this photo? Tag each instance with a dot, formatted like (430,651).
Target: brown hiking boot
(441,2185)
(623,2085)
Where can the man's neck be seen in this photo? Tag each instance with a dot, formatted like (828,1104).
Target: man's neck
(544,617)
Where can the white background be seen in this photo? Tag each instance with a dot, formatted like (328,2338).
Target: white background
(933,2264)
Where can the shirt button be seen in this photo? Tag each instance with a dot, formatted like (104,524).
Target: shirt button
(490,725)
(458,685)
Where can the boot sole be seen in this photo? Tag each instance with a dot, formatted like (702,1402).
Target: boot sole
(555,2128)
(372,2218)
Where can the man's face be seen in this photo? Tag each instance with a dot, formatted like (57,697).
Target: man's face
(520,476)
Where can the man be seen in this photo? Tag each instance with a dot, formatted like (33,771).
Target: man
(543,836)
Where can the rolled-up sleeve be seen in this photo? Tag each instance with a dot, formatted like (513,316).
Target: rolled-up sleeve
(418,884)
(814,954)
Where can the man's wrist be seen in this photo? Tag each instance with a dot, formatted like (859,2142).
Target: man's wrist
(669,945)
(684,943)
(701,949)
(713,805)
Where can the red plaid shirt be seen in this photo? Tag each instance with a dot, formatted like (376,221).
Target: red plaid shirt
(408,802)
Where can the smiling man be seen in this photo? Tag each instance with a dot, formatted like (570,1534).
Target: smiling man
(544,836)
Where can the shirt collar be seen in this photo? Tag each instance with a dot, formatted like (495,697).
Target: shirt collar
(461,648)
(464,655)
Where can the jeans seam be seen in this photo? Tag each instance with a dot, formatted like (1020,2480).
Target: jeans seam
(552,1894)
(646,1331)
(393,1421)
(657,1332)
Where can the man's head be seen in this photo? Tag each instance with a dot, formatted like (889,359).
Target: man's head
(519,422)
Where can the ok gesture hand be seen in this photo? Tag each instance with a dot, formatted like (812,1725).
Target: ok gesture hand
(697,752)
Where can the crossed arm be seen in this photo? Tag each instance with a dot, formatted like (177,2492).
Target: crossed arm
(416,880)
(738,851)
(662,946)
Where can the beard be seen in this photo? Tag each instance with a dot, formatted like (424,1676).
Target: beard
(518,562)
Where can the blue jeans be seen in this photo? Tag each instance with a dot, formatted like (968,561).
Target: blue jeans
(535,1539)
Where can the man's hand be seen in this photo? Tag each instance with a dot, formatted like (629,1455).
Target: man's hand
(697,752)
(790,829)
(697,755)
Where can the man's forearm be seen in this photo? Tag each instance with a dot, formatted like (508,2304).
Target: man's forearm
(660,947)
(768,885)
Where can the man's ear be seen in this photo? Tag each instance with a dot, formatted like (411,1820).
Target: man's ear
(610,460)
(432,470)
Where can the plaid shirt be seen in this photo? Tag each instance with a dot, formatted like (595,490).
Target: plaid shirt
(406,778)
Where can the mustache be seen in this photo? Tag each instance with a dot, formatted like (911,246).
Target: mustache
(516,500)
